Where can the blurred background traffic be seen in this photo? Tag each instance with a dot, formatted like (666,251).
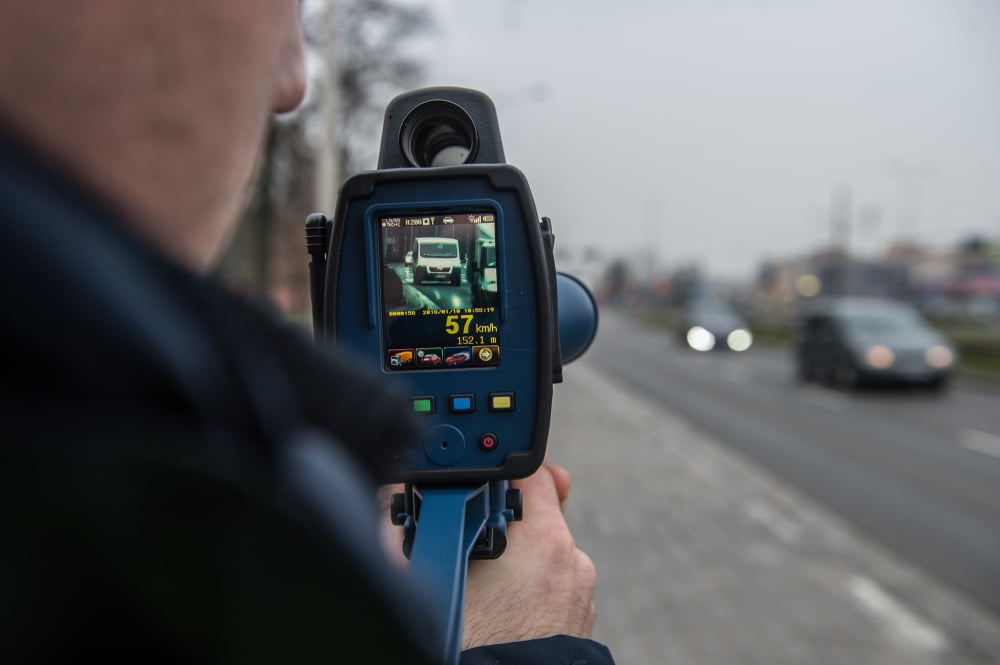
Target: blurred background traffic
(759,154)
(789,212)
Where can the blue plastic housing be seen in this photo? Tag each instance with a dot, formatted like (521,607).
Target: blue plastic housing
(452,452)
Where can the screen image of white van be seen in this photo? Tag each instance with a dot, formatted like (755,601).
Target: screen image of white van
(436,259)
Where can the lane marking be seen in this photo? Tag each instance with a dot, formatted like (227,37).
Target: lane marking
(781,527)
(980,442)
(822,398)
(899,623)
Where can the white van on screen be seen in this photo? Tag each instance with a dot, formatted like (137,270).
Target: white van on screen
(436,259)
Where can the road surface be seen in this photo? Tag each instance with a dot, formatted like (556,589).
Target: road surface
(917,472)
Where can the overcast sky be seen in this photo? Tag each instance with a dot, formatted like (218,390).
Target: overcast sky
(715,131)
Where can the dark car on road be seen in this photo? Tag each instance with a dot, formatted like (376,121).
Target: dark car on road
(708,325)
(851,340)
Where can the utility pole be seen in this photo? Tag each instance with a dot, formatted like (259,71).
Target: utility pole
(651,223)
(910,178)
(841,210)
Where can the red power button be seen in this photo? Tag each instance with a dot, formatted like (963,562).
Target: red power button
(489,441)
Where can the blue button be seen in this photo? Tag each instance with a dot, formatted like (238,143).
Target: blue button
(462,403)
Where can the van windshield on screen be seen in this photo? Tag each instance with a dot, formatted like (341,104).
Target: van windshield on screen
(439,250)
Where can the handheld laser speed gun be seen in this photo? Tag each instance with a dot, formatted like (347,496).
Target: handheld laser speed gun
(437,271)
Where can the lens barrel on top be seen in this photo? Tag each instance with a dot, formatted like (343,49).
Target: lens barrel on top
(438,133)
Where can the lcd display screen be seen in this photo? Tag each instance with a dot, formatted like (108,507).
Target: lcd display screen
(440,295)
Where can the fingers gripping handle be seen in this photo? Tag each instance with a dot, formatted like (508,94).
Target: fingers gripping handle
(450,523)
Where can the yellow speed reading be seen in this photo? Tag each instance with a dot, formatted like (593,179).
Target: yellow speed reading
(458,323)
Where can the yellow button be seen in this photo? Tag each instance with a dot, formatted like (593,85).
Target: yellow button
(502,402)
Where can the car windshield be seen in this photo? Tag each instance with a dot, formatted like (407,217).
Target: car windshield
(713,310)
(439,250)
(888,321)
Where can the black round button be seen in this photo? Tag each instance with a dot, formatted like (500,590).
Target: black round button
(444,445)
(488,441)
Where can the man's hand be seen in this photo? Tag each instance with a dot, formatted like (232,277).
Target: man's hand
(542,585)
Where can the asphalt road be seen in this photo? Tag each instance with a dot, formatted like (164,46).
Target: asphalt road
(432,295)
(916,471)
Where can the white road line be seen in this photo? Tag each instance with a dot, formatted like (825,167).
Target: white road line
(822,398)
(783,528)
(898,622)
(980,442)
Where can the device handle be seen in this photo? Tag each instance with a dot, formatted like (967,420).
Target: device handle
(451,520)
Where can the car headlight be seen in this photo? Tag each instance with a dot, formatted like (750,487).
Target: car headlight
(879,357)
(939,356)
(700,339)
(739,340)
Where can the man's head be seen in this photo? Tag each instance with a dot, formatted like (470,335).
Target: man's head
(158,106)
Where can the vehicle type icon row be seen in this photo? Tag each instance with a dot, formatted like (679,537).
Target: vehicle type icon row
(447,357)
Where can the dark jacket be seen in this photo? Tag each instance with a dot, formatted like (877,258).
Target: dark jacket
(182,476)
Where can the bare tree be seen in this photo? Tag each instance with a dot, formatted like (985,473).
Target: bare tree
(356,47)
(371,37)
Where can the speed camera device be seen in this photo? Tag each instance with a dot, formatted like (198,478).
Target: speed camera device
(440,276)
(437,272)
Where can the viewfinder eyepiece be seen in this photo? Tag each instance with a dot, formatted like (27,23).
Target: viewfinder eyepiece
(438,133)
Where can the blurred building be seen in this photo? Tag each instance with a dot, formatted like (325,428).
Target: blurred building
(781,283)
(856,277)
(956,282)
(976,284)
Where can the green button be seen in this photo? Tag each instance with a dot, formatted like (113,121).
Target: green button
(423,405)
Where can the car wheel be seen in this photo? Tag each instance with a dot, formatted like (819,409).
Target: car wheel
(938,385)
(456,280)
(847,377)
(829,375)
(419,275)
